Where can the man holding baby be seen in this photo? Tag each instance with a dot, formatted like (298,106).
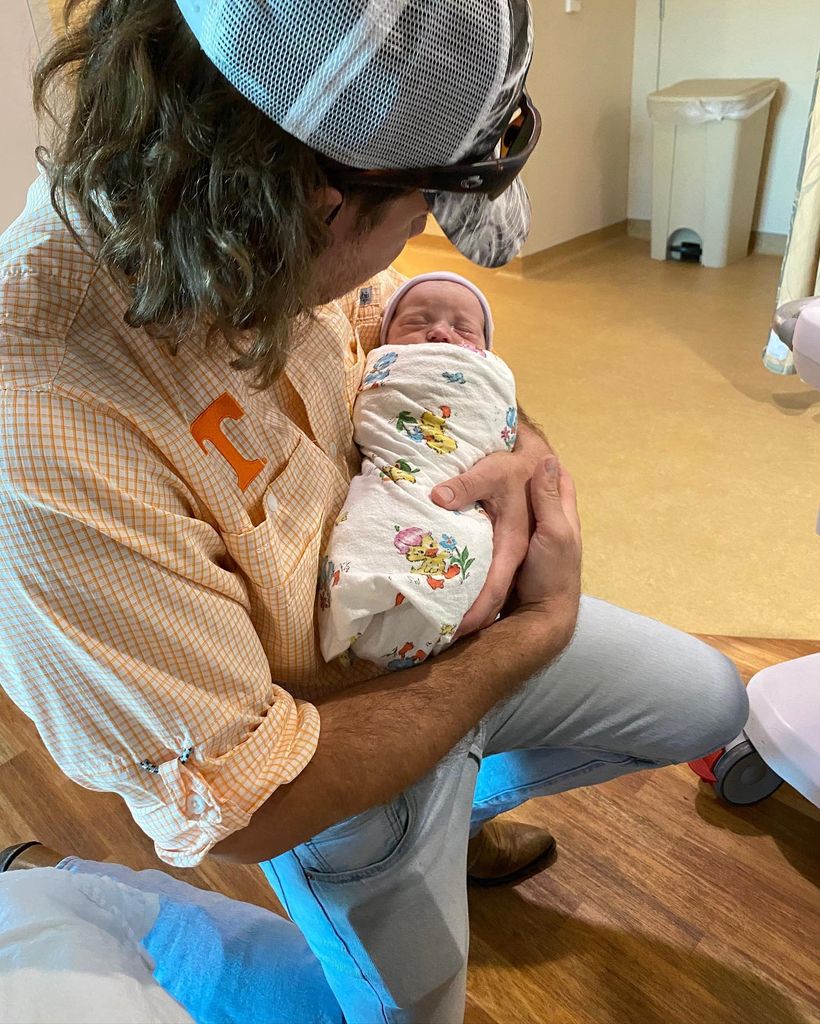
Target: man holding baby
(188,302)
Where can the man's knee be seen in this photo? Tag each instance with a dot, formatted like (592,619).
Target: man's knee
(718,706)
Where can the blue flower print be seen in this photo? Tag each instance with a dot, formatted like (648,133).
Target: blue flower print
(397,664)
(402,658)
(448,542)
(381,370)
(510,431)
(454,378)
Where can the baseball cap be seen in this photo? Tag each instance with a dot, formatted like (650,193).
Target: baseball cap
(379,84)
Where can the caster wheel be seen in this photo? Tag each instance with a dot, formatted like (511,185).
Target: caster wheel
(743,777)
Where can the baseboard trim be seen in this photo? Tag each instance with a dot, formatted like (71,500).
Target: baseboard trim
(639,229)
(524,265)
(566,250)
(763,243)
(767,243)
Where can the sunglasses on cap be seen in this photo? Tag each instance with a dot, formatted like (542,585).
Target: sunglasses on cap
(490,176)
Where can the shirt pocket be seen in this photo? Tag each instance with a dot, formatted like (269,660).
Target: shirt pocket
(297,503)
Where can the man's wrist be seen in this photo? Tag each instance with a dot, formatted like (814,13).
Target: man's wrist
(531,443)
(531,446)
(529,431)
(557,614)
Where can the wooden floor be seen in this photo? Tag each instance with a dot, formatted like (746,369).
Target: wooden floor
(664,906)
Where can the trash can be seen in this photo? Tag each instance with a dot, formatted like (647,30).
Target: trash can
(708,137)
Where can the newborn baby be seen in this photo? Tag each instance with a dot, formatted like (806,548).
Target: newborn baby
(400,573)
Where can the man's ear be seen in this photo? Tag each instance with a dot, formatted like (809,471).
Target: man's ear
(328,201)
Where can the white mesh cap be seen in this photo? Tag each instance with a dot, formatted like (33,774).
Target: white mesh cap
(386,84)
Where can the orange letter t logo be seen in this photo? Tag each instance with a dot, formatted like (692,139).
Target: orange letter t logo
(208,427)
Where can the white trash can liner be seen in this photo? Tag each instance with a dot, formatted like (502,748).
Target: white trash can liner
(700,100)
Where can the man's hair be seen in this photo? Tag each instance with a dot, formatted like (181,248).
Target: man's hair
(201,203)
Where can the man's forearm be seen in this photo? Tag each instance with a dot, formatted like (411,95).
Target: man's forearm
(380,738)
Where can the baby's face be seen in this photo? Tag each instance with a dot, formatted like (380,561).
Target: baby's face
(438,311)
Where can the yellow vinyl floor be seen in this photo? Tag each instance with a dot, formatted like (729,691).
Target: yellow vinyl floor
(698,471)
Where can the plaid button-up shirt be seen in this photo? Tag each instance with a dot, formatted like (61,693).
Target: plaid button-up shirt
(161,526)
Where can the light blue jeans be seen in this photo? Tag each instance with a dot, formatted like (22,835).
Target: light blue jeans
(225,961)
(381,898)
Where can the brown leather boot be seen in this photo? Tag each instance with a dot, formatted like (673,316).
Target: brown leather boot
(507,851)
(28,855)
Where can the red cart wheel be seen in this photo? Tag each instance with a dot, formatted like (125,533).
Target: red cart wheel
(739,775)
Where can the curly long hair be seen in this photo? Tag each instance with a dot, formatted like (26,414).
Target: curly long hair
(201,203)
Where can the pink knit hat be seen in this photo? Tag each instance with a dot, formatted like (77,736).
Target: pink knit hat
(438,275)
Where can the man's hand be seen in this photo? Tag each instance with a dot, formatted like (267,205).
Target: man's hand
(501,482)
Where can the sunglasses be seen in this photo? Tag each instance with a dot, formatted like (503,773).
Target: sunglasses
(490,176)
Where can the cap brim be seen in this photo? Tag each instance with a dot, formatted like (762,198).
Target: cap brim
(489,232)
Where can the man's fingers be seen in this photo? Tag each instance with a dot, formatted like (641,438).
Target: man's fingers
(481,483)
(569,499)
(486,607)
(552,470)
(553,494)
(509,551)
(545,489)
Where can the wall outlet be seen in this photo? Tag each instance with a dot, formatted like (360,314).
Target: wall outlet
(572,6)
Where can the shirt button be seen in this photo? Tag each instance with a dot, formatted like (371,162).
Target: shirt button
(196,805)
(333,449)
(272,504)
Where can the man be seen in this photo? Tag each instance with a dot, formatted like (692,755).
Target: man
(225,176)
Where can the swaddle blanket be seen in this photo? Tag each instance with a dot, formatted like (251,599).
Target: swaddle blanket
(400,573)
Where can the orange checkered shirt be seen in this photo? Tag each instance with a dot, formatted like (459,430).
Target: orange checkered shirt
(161,526)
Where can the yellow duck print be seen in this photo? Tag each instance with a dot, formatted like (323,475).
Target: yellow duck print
(427,559)
(438,561)
(430,430)
(401,470)
(433,431)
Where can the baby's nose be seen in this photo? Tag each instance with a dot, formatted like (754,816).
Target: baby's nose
(440,332)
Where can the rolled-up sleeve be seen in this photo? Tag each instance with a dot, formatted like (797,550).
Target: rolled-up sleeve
(126,635)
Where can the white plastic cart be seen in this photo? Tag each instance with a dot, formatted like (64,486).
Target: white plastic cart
(781,740)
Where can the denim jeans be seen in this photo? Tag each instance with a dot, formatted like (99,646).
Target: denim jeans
(225,961)
(381,897)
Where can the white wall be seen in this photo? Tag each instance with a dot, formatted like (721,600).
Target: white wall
(581,80)
(18,168)
(730,39)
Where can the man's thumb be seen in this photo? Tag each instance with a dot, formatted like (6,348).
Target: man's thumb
(455,493)
(544,489)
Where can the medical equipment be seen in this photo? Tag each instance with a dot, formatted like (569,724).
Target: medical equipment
(781,739)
